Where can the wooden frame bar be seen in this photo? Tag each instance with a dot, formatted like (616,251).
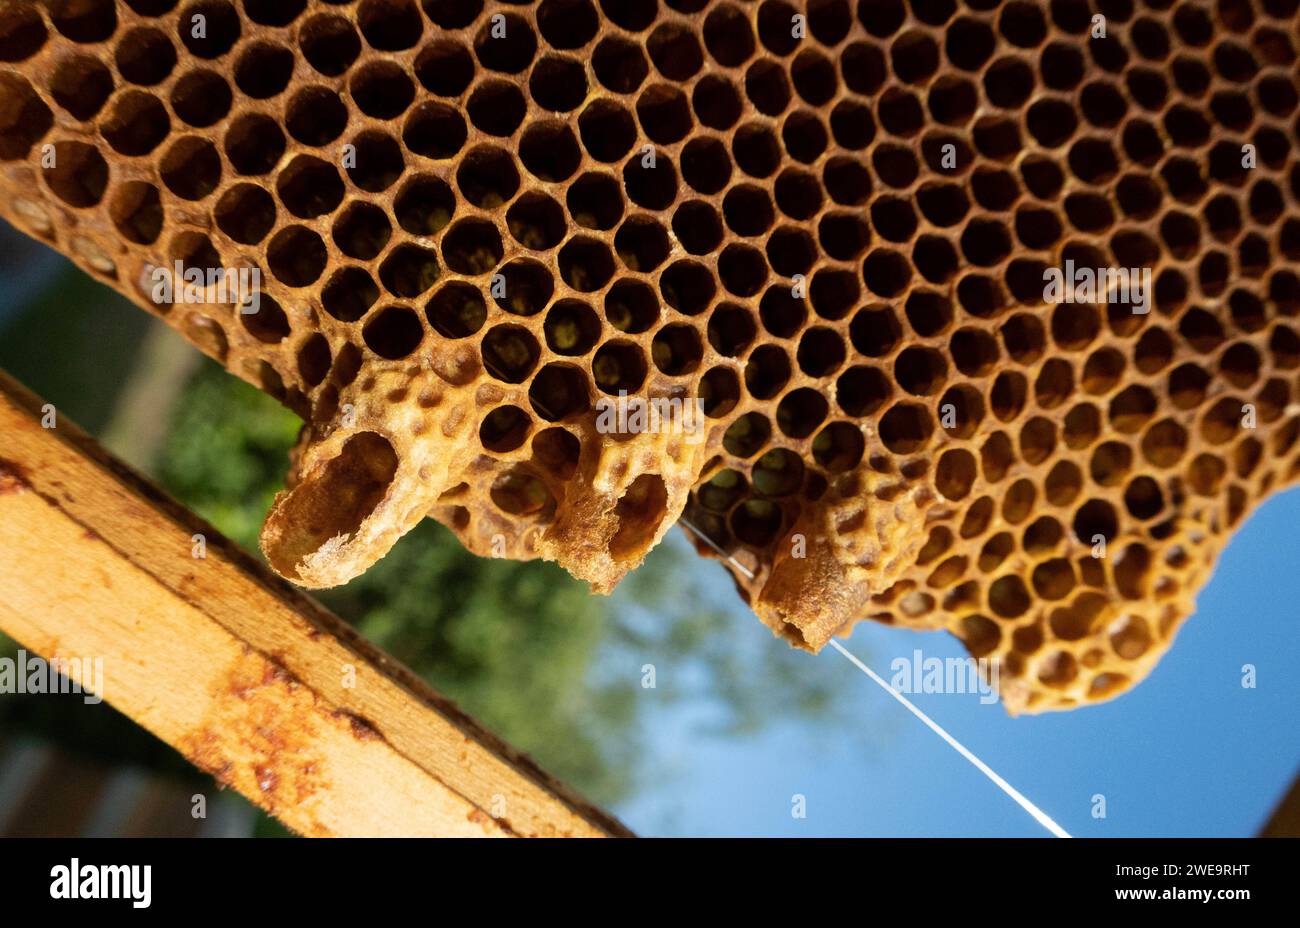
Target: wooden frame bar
(247,677)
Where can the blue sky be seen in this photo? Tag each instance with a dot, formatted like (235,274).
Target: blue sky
(1189,752)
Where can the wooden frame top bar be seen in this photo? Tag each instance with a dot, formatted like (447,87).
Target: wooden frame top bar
(247,677)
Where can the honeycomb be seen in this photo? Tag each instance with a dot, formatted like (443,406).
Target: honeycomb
(829,223)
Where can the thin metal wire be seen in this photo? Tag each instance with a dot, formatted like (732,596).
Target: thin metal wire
(749,574)
(1019,798)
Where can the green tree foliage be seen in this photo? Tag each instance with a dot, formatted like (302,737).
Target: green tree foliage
(511,642)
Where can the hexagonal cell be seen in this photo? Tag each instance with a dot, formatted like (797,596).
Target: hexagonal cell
(510,353)
(456,310)
(202,98)
(361,230)
(559,391)
(80,84)
(504,429)
(79,175)
(393,332)
(349,294)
